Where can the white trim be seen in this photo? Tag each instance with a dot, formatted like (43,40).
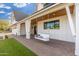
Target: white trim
(70,21)
(77,30)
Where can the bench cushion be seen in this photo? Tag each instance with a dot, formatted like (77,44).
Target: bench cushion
(44,37)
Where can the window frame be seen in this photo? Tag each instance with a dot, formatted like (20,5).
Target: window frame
(49,24)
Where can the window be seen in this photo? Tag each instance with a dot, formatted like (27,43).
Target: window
(52,24)
(48,4)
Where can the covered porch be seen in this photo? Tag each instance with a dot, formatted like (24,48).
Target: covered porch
(64,14)
(51,48)
(62,40)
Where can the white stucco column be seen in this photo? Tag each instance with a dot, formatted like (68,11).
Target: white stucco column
(28,28)
(18,29)
(70,20)
(77,30)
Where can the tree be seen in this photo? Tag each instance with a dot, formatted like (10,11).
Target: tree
(3,25)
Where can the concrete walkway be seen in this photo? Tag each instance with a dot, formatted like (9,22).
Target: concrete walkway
(51,48)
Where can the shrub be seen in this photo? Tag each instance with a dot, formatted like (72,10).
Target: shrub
(6,36)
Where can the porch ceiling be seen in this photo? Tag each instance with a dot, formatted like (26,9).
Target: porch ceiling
(53,14)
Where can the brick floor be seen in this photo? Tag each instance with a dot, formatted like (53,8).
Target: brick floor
(51,48)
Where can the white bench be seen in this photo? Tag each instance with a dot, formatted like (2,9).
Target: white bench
(43,37)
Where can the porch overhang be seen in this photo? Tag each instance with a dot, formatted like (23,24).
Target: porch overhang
(53,14)
(50,10)
(45,11)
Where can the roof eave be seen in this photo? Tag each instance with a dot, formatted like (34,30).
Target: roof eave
(40,11)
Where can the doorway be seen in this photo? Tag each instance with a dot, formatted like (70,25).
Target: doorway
(35,30)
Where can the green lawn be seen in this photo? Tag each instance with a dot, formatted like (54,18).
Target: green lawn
(11,47)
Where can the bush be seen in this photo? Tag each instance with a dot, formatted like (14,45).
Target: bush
(6,37)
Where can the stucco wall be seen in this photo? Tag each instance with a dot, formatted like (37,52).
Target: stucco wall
(64,33)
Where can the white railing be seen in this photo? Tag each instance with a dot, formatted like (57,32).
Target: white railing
(2,36)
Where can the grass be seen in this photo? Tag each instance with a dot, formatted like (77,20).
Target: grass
(11,47)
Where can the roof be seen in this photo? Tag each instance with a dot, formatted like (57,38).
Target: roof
(19,15)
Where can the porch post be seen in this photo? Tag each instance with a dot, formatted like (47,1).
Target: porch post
(77,30)
(28,28)
(70,20)
(18,29)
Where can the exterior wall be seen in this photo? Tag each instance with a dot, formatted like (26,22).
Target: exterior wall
(14,31)
(77,31)
(18,29)
(22,29)
(64,33)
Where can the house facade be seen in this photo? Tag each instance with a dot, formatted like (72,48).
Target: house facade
(56,20)
(16,17)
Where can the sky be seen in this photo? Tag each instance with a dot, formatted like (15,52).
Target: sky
(7,8)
